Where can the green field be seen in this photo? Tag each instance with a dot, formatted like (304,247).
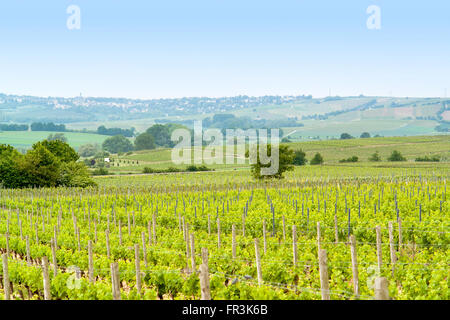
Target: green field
(264,240)
(331,150)
(410,147)
(328,129)
(24,139)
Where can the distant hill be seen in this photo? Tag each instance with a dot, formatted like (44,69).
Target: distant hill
(323,118)
(332,152)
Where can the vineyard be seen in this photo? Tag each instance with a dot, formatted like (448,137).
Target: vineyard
(341,233)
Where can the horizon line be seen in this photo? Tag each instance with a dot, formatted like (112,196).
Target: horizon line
(223,97)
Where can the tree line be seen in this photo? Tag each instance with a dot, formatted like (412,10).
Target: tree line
(14,127)
(158,135)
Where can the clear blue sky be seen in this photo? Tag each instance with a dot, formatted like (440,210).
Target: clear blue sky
(176,48)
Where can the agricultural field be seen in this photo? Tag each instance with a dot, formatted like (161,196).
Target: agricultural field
(324,232)
(331,129)
(386,116)
(25,139)
(331,150)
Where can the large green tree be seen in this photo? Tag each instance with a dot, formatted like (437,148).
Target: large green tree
(144,141)
(346,136)
(89,150)
(285,159)
(161,134)
(75,174)
(60,149)
(317,159)
(396,156)
(375,157)
(10,167)
(41,167)
(300,158)
(117,144)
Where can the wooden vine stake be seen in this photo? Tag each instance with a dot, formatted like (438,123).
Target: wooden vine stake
(318,235)
(184,230)
(233,240)
(294,244)
(6,284)
(187,246)
(95,232)
(400,236)
(264,236)
(392,247)
(204,276)
(354,265)
(336,233)
(323,270)
(90,262)
(209,225)
(46,278)
(258,262)
(115,281)
(28,251)
(120,233)
(144,249)
(218,233)
(55,237)
(284,230)
(137,261)
(379,253)
(108,248)
(150,233)
(55,265)
(193,266)
(381,289)
(154,228)
(7,243)
(128,224)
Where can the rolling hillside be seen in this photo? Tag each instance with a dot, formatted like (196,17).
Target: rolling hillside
(322,118)
(332,151)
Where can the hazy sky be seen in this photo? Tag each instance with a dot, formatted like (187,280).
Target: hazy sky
(176,48)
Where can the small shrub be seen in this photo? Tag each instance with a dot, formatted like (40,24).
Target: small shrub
(318,159)
(346,136)
(299,158)
(194,168)
(375,157)
(148,170)
(191,168)
(396,156)
(100,172)
(428,159)
(351,159)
